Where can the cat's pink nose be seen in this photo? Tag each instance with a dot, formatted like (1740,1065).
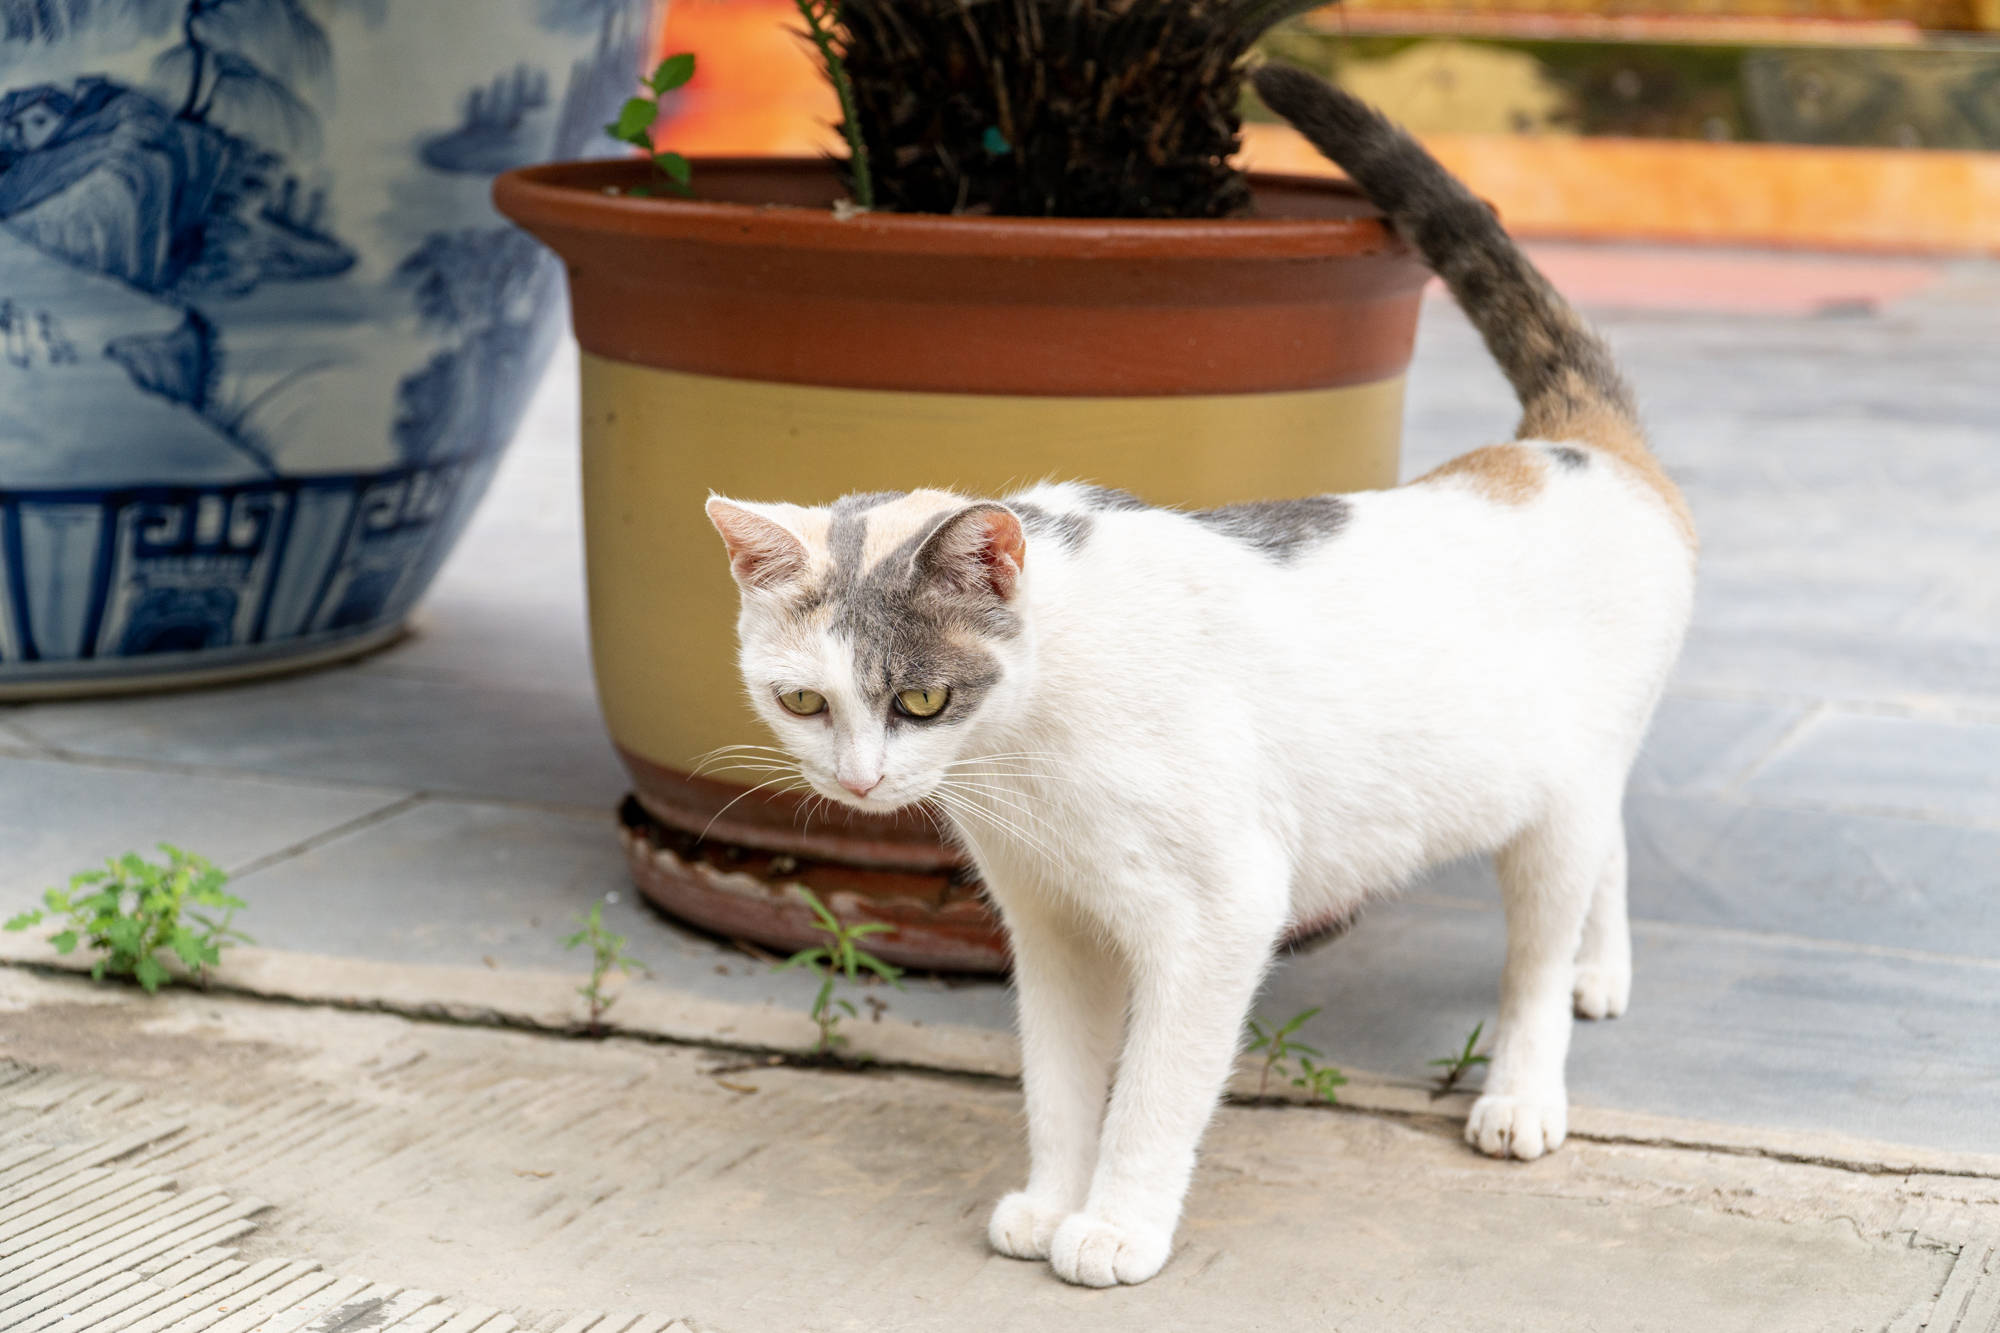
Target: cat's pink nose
(861,787)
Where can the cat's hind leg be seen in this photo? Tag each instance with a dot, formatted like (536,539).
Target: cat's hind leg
(1070,996)
(1548,876)
(1603,985)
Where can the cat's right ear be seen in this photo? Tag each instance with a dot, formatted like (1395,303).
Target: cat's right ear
(763,553)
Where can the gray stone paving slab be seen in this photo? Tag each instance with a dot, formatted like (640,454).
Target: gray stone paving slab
(440,883)
(1743,1028)
(1947,770)
(1700,744)
(1917,670)
(57,818)
(1861,879)
(1865,881)
(350,725)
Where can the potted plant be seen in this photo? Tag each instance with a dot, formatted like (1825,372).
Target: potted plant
(1035,260)
(262,338)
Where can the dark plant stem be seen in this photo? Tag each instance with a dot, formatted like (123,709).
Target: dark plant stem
(819,29)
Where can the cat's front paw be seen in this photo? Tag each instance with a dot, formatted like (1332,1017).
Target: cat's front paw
(1093,1253)
(1520,1127)
(1022,1227)
(1602,992)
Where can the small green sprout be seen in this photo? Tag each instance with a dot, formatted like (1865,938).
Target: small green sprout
(840,957)
(1457,1066)
(1322,1081)
(607,955)
(130,911)
(1278,1047)
(634,125)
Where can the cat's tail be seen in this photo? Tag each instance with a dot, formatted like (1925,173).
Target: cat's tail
(1561,370)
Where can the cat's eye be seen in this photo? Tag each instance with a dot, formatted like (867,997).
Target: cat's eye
(803,702)
(922,703)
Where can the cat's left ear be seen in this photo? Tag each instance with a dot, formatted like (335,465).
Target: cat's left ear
(981,548)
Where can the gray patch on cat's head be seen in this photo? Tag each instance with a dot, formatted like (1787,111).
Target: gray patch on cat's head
(1571,460)
(1280,529)
(1072,530)
(907,628)
(847,533)
(1104,498)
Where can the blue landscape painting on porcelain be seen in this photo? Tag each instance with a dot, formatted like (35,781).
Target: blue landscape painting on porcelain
(262,337)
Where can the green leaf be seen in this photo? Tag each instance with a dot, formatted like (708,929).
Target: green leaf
(827,920)
(150,974)
(888,972)
(190,950)
(634,119)
(65,941)
(803,958)
(847,1006)
(31,917)
(124,933)
(1298,1021)
(675,166)
(672,72)
(641,191)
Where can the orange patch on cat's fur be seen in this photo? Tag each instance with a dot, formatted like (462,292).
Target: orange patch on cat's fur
(1611,432)
(1514,473)
(1508,474)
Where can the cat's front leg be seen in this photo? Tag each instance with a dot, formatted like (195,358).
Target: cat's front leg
(1070,995)
(1191,991)
(1547,878)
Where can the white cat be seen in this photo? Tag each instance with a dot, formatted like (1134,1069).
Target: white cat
(1165,736)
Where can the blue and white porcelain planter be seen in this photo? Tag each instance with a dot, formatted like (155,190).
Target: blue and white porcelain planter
(262,337)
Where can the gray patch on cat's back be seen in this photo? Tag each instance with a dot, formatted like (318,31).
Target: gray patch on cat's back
(1571,460)
(1280,529)
(1104,498)
(1072,530)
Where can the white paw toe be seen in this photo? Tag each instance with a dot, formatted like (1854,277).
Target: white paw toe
(1517,1126)
(1602,992)
(1022,1227)
(1093,1253)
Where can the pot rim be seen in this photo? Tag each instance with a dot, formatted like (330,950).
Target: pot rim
(585,195)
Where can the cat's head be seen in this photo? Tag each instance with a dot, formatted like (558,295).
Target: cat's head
(880,636)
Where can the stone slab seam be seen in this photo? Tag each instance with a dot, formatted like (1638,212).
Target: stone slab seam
(544,1002)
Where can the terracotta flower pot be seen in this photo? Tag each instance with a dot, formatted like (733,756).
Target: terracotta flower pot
(753,343)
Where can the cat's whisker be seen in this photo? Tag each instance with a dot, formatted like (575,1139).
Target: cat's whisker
(771,782)
(1002,795)
(1003,823)
(717,762)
